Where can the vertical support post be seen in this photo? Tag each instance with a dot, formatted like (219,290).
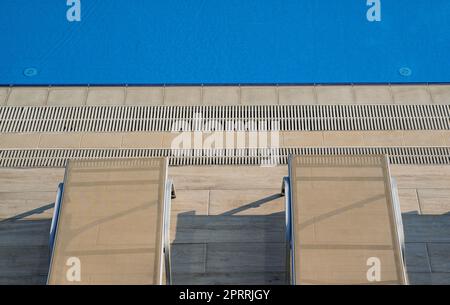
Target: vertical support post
(54,224)
(169,194)
(287,193)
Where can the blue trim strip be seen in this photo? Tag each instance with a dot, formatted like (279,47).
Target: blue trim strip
(54,225)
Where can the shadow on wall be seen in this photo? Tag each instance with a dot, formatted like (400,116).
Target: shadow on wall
(234,249)
(427,254)
(230,248)
(224,249)
(24,248)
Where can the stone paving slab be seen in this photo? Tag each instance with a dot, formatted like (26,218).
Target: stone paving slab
(420,94)
(417,258)
(439,257)
(225,139)
(434,201)
(3,95)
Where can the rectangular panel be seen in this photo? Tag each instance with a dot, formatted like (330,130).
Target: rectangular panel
(110,222)
(344,225)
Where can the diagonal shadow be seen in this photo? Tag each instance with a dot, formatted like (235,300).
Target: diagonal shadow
(253,205)
(24,250)
(340,211)
(29,213)
(229,248)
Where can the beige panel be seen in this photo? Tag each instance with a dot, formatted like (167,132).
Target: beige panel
(434,201)
(182,96)
(221,96)
(27,205)
(111,220)
(60,140)
(169,140)
(226,177)
(3,95)
(446,136)
(226,139)
(224,95)
(67,96)
(421,176)
(14,140)
(143,140)
(101,140)
(250,202)
(259,96)
(334,95)
(107,96)
(302,139)
(145,96)
(28,96)
(343,138)
(342,218)
(423,138)
(409,202)
(31,180)
(253,139)
(297,95)
(343,266)
(190,201)
(383,138)
(411,95)
(374,95)
(440,94)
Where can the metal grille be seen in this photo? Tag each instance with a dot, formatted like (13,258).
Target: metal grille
(204,118)
(59,157)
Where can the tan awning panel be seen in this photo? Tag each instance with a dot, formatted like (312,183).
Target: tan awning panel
(111,220)
(343,221)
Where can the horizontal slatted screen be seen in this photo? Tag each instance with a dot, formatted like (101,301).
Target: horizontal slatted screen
(169,118)
(267,156)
